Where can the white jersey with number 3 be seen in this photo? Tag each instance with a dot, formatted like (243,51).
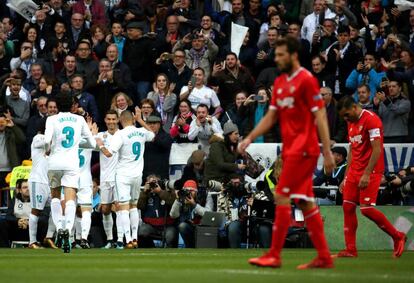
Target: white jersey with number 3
(129,143)
(64,132)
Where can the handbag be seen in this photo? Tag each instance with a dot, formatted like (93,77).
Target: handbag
(253,168)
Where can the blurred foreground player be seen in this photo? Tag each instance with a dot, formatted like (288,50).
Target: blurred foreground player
(363,175)
(296,103)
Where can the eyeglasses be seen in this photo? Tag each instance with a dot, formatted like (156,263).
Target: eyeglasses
(325,94)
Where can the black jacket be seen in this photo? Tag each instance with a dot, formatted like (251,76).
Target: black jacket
(139,55)
(157,155)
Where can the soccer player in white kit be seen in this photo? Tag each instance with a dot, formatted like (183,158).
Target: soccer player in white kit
(84,196)
(107,176)
(63,134)
(38,182)
(129,143)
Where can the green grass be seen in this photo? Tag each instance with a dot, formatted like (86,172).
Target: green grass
(191,266)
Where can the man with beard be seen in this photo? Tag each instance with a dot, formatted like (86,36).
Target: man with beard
(296,102)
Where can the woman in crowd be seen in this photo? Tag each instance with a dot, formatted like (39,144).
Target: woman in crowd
(222,158)
(121,102)
(181,123)
(233,113)
(164,100)
(254,108)
(99,44)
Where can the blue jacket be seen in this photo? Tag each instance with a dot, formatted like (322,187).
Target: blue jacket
(88,103)
(356,78)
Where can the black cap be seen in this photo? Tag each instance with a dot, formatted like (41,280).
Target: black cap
(138,25)
(340,150)
(153,119)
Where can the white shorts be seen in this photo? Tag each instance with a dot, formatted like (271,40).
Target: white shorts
(107,192)
(84,196)
(127,188)
(65,178)
(39,195)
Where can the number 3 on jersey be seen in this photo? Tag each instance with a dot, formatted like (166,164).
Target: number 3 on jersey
(69,132)
(136,149)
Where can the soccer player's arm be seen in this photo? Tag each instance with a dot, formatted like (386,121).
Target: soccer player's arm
(114,147)
(317,107)
(89,140)
(48,133)
(374,130)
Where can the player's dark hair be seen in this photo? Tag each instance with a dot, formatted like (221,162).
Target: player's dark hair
(345,102)
(41,125)
(112,112)
(64,101)
(292,44)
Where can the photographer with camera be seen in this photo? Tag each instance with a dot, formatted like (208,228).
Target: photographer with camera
(188,209)
(155,202)
(402,183)
(365,73)
(393,108)
(234,200)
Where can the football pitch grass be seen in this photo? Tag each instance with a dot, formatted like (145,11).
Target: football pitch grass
(193,265)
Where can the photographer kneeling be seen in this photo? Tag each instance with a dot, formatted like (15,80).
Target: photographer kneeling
(234,200)
(155,202)
(188,209)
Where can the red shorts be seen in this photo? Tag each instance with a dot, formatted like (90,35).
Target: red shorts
(296,177)
(368,195)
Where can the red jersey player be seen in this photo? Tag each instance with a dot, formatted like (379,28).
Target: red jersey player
(296,102)
(363,176)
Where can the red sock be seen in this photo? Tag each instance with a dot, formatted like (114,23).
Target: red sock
(280,228)
(379,218)
(314,225)
(350,225)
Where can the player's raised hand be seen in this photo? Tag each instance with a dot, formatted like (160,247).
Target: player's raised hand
(94,129)
(328,162)
(241,148)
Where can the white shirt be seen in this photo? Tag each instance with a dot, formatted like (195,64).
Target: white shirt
(129,143)
(38,173)
(85,177)
(64,132)
(204,95)
(107,165)
(310,23)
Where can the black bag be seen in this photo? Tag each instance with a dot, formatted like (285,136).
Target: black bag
(253,168)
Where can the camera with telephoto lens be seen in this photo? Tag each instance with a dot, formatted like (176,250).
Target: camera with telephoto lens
(214,186)
(407,189)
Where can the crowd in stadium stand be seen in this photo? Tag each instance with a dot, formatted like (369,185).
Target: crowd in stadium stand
(175,60)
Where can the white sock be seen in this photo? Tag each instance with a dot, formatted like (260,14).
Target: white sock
(78,228)
(108,223)
(51,228)
(134,218)
(86,224)
(126,224)
(119,228)
(33,228)
(70,211)
(56,211)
